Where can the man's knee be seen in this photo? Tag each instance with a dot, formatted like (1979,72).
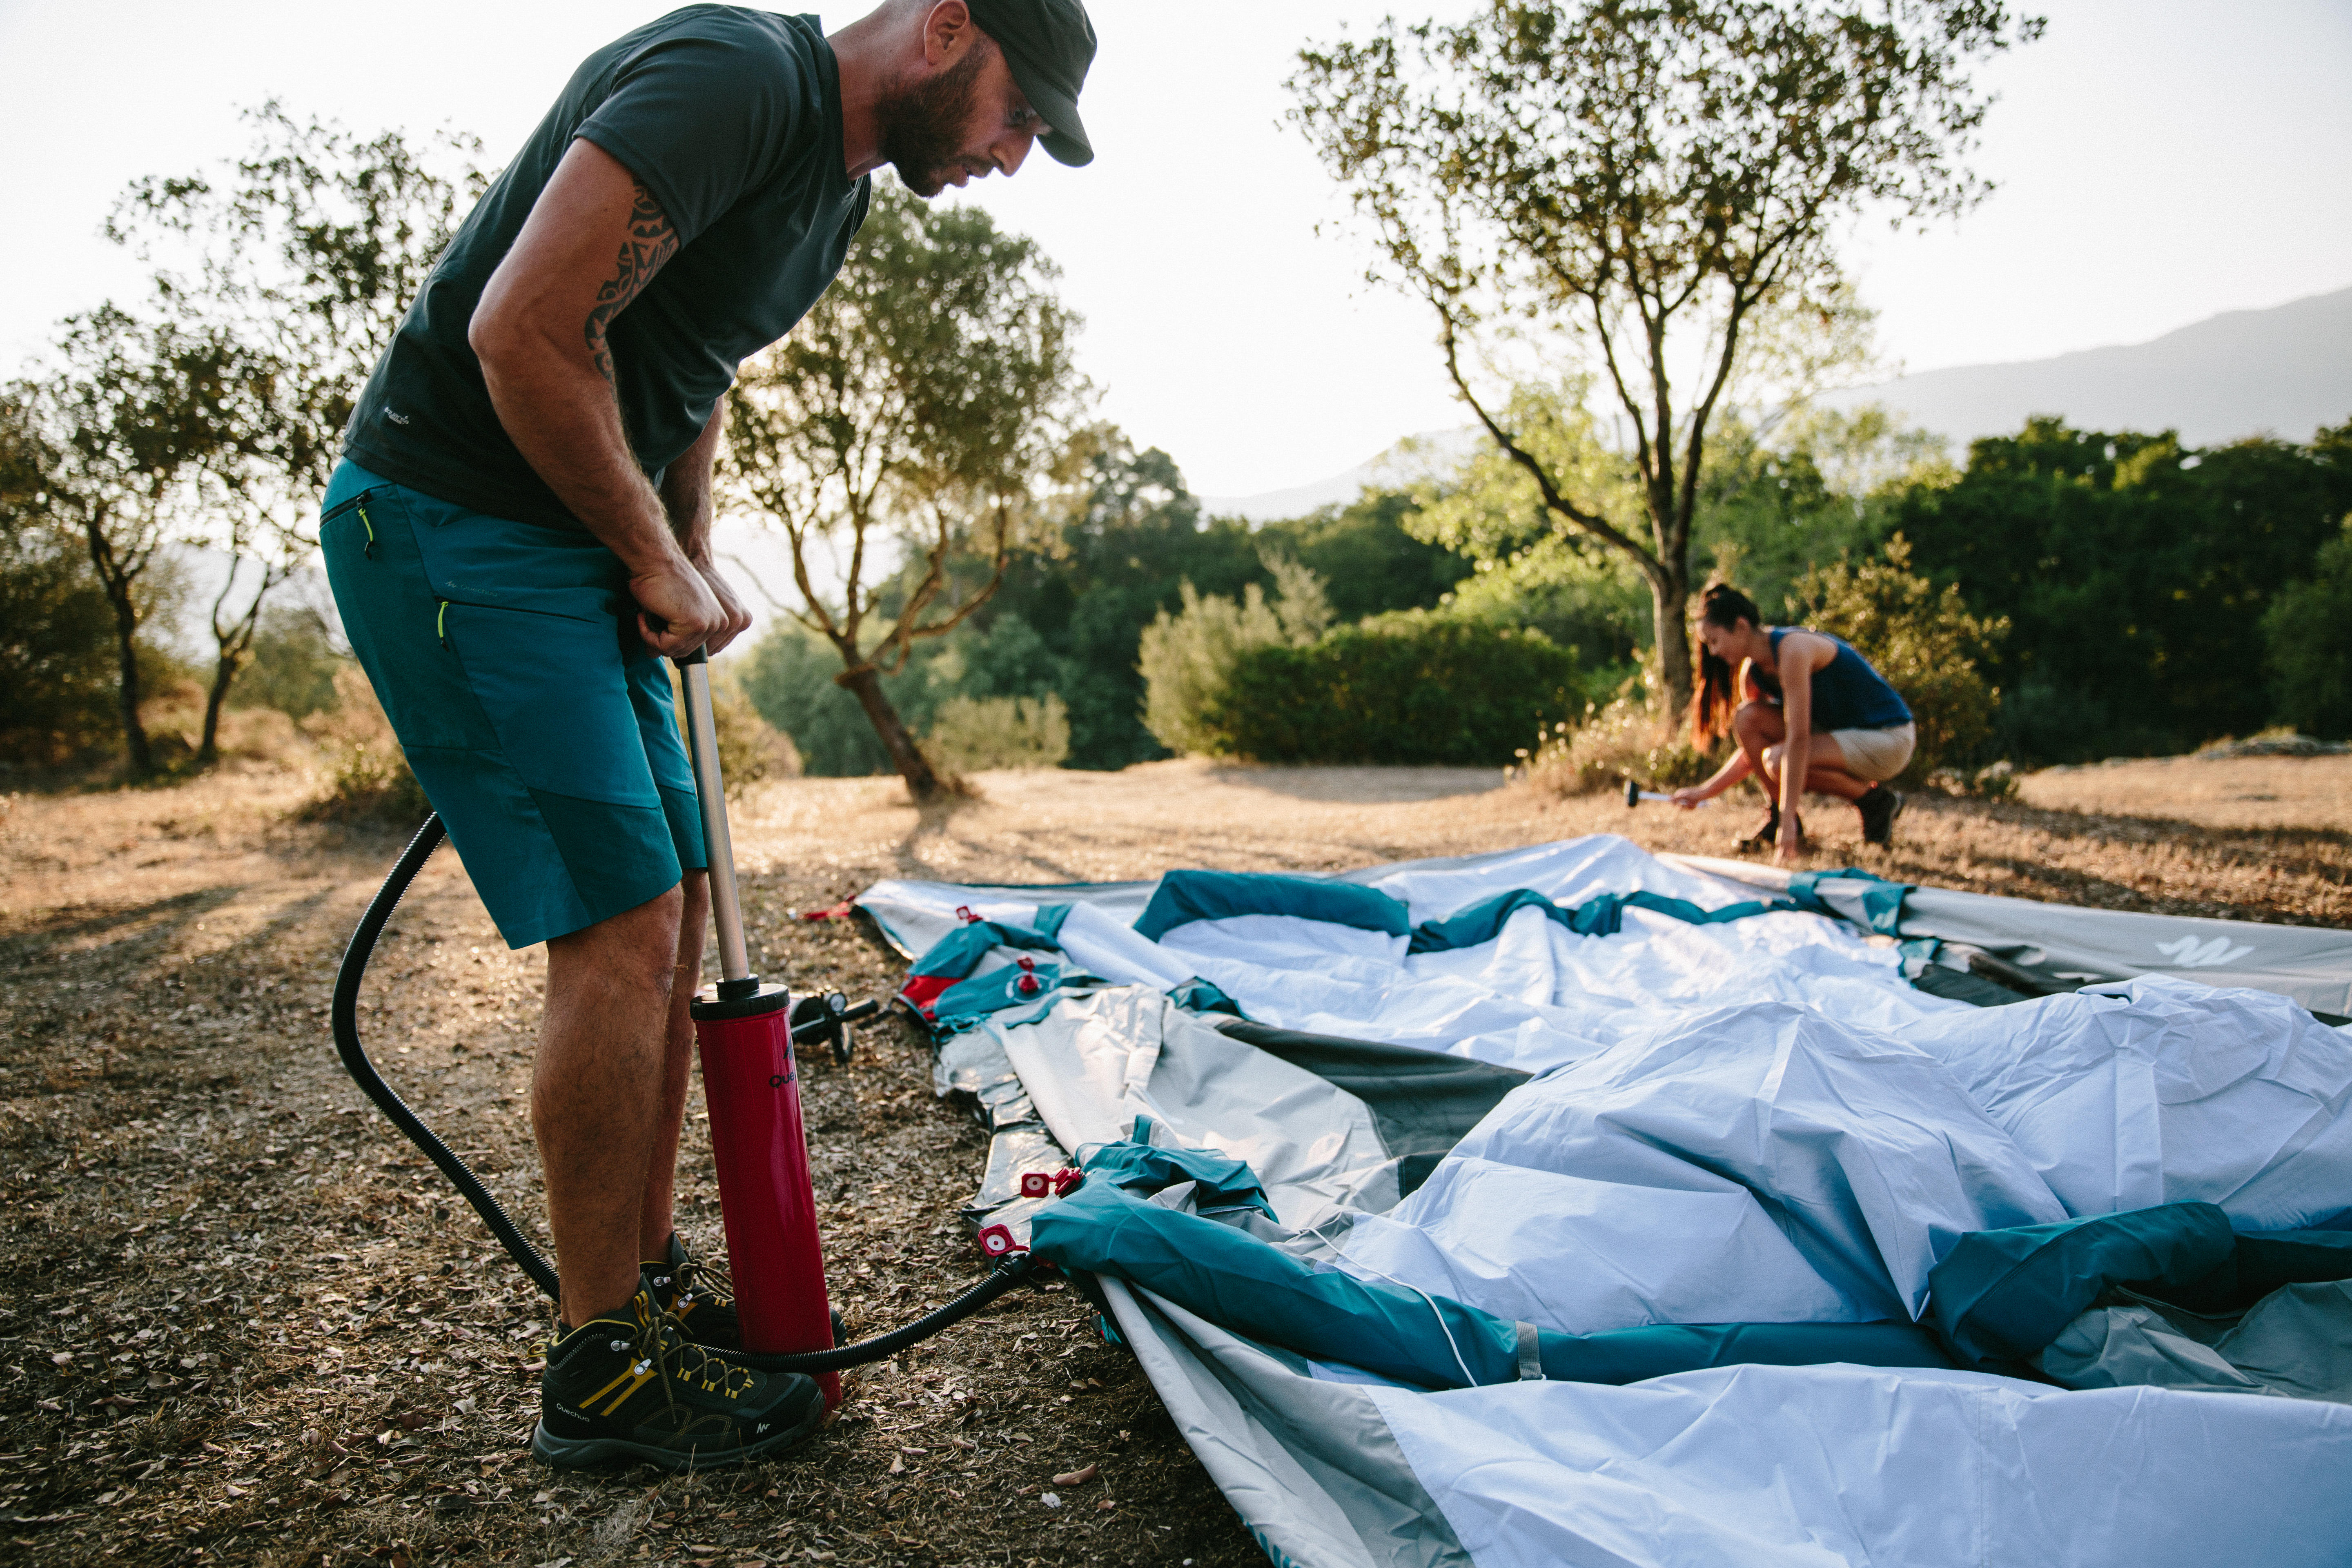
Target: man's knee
(637,947)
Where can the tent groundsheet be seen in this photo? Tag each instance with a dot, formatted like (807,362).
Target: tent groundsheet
(1455,1222)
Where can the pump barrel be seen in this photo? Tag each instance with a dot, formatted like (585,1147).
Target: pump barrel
(751,1085)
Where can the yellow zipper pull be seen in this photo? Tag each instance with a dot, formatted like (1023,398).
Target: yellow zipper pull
(367,550)
(441,624)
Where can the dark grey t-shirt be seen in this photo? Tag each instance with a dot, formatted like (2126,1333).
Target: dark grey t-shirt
(732,120)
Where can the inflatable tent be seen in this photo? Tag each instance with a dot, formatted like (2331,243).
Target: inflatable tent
(1572,1204)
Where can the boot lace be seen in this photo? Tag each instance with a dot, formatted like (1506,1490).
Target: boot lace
(662,1347)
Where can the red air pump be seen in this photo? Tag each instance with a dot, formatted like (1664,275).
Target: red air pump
(750,1084)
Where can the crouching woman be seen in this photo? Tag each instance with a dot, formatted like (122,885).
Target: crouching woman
(1812,715)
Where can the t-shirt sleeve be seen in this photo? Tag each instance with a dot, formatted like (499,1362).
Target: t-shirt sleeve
(701,117)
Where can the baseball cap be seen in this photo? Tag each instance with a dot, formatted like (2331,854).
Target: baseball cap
(1048,43)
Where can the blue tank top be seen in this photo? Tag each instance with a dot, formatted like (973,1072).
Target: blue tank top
(1847,693)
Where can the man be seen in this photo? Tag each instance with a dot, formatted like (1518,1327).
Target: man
(521,528)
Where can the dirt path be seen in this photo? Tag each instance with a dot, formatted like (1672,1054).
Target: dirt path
(244,1324)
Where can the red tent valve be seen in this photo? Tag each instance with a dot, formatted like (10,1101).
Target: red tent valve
(997,1242)
(1027,984)
(1067,1181)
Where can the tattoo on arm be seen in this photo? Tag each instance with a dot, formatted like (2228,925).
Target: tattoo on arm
(651,242)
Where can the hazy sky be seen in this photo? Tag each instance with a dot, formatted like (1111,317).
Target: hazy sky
(2160,161)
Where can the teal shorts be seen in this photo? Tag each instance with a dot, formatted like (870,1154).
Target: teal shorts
(506,657)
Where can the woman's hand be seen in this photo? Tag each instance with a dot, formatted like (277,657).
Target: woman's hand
(1687,797)
(1791,848)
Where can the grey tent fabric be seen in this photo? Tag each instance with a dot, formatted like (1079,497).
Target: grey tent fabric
(2309,964)
(2295,1342)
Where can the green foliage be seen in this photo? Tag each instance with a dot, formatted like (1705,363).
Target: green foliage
(1410,688)
(2309,630)
(293,664)
(1923,641)
(1188,658)
(973,734)
(788,677)
(2135,573)
(56,633)
(1367,556)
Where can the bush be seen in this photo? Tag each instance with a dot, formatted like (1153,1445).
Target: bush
(367,777)
(1622,741)
(1409,688)
(2308,630)
(1925,643)
(973,733)
(1186,659)
(749,748)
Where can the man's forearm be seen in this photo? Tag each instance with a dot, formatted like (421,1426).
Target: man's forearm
(686,491)
(562,417)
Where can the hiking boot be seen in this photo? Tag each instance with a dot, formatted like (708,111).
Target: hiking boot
(1879,807)
(630,1387)
(1765,835)
(697,1295)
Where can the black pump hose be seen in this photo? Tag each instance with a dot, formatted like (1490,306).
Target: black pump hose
(1007,1275)
(387,1099)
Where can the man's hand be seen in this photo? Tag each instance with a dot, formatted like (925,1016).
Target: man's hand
(735,620)
(680,601)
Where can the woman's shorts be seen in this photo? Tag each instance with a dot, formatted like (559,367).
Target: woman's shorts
(506,657)
(1877,754)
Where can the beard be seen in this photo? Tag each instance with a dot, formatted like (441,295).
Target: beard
(924,126)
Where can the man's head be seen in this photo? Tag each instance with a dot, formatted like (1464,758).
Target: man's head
(984,78)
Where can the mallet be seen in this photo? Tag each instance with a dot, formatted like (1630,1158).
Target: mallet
(1635,795)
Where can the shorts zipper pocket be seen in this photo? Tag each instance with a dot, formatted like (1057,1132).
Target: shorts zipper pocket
(358,503)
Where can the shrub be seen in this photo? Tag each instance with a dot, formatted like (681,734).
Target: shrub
(749,748)
(1407,688)
(1925,643)
(1186,659)
(367,777)
(2308,630)
(1610,745)
(973,733)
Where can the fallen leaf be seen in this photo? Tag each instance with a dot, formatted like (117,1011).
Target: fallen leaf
(1049,1500)
(897,1464)
(1077,1477)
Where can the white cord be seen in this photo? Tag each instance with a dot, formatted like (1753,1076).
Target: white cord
(1316,1231)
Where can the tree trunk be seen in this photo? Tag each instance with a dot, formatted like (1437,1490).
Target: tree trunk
(126,643)
(865,685)
(223,672)
(1669,620)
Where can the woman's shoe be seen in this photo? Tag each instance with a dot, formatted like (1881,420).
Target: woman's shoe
(1766,835)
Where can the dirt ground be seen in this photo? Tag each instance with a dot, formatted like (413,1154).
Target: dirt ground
(244,1322)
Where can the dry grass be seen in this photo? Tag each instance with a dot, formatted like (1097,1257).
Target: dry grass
(280,1345)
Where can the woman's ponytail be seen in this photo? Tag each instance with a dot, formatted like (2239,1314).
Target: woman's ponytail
(1715,701)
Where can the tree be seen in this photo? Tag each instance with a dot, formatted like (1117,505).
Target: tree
(2136,571)
(55,625)
(302,256)
(919,404)
(135,424)
(1658,186)
(2309,627)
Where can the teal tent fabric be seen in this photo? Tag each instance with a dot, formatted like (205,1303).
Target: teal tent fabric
(1186,896)
(1264,1293)
(1881,900)
(1135,1165)
(1882,903)
(966,1003)
(2002,1295)
(1199,996)
(2259,1264)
